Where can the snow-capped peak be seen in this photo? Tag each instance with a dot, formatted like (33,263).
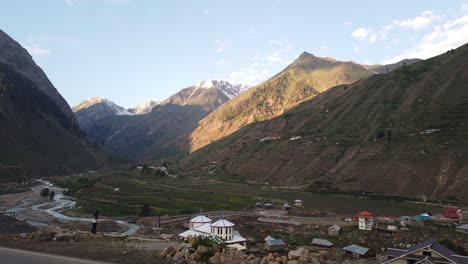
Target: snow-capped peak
(145,107)
(331,59)
(226,87)
(206,84)
(118,110)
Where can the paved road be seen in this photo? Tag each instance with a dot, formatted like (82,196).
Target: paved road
(16,256)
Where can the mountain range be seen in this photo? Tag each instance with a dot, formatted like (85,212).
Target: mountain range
(320,124)
(401,132)
(159,130)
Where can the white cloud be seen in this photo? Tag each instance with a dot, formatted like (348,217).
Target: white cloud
(249,75)
(222,45)
(324,47)
(419,22)
(261,66)
(372,38)
(278,55)
(360,33)
(452,34)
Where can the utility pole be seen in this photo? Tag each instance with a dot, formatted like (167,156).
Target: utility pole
(95,222)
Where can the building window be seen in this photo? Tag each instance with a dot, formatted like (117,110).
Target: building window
(427,253)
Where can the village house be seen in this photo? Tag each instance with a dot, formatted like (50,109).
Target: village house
(462,228)
(223,229)
(298,202)
(321,243)
(273,244)
(453,214)
(358,251)
(423,217)
(334,230)
(428,252)
(366,220)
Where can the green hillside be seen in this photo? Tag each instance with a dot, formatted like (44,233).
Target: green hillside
(306,77)
(402,132)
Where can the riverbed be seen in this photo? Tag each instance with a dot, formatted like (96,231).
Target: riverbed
(41,212)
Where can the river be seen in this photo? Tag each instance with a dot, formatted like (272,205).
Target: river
(56,208)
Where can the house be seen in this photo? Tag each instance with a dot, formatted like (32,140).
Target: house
(268,205)
(334,230)
(452,214)
(269,238)
(274,244)
(224,229)
(298,202)
(428,252)
(357,251)
(286,206)
(366,220)
(462,229)
(423,217)
(322,243)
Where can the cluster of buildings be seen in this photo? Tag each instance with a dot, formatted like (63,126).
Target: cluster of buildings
(428,252)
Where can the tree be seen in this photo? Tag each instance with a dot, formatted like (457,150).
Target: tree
(145,169)
(52,195)
(45,192)
(145,210)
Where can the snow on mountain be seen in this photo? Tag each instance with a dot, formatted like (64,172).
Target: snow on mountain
(145,107)
(226,87)
(118,110)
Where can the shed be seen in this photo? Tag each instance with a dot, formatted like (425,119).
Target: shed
(462,229)
(298,202)
(286,206)
(275,245)
(334,230)
(321,243)
(357,251)
(268,205)
(269,238)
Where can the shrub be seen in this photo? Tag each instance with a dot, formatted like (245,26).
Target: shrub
(45,192)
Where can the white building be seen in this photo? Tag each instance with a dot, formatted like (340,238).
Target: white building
(366,220)
(224,229)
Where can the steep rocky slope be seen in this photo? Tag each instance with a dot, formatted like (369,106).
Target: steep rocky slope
(36,136)
(306,77)
(18,58)
(404,132)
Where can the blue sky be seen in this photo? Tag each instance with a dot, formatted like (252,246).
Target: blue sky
(133,50)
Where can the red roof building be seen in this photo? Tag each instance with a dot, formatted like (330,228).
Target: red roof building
(451,213)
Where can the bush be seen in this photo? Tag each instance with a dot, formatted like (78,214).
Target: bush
(52,195)
(45,192)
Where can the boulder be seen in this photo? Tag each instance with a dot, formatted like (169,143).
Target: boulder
(169,251)
(255,261)
(270,258)
(298,253)
(250,257)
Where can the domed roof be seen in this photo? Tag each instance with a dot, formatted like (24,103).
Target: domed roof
(222,223)
(200,219)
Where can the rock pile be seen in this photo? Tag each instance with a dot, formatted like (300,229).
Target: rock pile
(185,254)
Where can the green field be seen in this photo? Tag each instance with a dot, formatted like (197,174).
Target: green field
(182,196)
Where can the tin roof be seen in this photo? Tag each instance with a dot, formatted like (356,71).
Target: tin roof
(335,227)
(465,226)
(276,242)
(200,219)
(356,249)
(321,242)
(222,223)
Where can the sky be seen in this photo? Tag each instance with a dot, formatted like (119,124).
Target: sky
(132,50)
